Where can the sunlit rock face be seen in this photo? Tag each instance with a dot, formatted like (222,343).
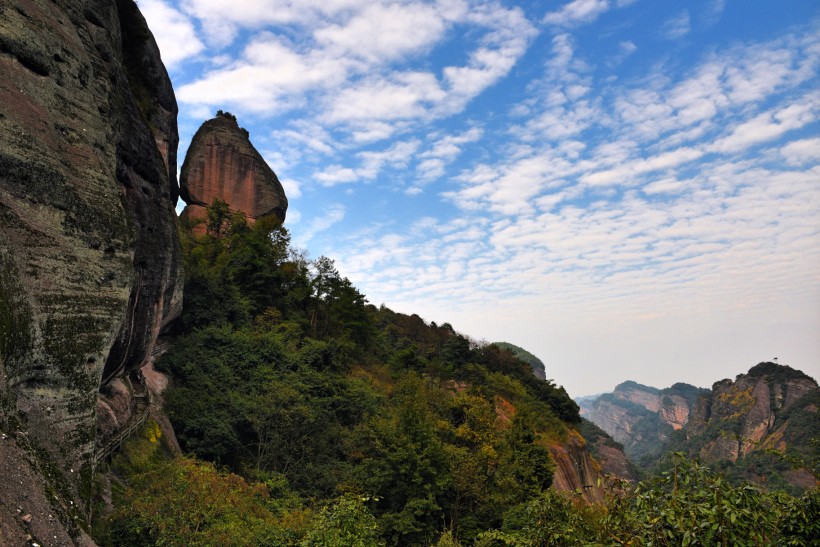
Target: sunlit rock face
(756,408)
(89,265)
(221,163)
(577,471)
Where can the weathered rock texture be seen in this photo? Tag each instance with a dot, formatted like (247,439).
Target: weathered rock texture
(89,258)
(575,470)
(222,163)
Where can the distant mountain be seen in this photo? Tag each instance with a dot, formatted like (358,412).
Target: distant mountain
(537,365)
(771,407)
(730,426)
(642,418)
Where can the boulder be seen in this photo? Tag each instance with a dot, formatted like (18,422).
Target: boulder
(221,163)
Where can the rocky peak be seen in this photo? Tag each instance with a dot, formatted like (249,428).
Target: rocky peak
(753,406)
(221,163)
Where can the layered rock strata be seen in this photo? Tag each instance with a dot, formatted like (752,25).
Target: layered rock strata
(90,271)
(221,163)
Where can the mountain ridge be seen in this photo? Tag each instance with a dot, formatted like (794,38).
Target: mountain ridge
(731,425)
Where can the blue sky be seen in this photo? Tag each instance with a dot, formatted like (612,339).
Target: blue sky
(629,189)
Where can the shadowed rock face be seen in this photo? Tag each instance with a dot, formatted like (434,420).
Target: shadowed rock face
(89,261)
(222,163)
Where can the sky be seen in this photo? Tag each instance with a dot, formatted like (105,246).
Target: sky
(628,189)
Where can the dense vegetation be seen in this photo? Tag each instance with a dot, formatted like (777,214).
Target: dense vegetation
(310,417)
(187,502)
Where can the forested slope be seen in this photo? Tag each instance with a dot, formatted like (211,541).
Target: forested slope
(310,417)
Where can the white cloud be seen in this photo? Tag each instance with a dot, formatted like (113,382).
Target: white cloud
(292,188)
(625,49)
(372,163)
(677,26)
(770,125)
(222,20)
(404,95)
(174,32)
(336,174)
(271,77)
(340,62)
(397,156)
(332,214)
(381,33)
(802,151)
(713,12)
(577,12)
(444,150)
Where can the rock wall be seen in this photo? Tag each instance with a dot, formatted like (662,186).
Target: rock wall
(221,163)
(89,261)
(772,406)
(575,470)
(752,408)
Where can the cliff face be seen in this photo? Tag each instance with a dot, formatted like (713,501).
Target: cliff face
(772,406)
(89,258)
(222,163)
(575,470)
(758,409)
(585,458)
(640,417)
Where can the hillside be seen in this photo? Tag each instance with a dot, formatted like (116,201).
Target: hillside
(200,381)
(294,380)
(772,407)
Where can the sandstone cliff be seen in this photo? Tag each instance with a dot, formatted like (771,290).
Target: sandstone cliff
(772,406)
(731,425)
(575,470)
(642,418)
(586,459)
(88,250)
(221,163)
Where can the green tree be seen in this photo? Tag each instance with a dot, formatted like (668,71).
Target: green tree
(345,522)
(404,464)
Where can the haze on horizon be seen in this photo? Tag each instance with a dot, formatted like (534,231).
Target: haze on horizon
(627,189)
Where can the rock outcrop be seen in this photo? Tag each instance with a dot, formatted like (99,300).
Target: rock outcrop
(760,409)
(585,458)
(772,406)
(90,271)
(221,163)
(575,470)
